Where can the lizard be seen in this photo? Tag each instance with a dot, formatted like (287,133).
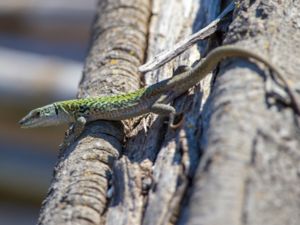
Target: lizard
(154,98)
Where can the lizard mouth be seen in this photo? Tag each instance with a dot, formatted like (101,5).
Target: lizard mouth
(24,122)
(29,120)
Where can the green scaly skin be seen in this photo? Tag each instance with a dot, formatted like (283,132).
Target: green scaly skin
(151,99)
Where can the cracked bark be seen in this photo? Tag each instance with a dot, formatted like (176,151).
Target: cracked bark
(235,160)
(77,194)
(248,173)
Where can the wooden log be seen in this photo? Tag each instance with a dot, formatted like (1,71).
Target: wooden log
(78,192)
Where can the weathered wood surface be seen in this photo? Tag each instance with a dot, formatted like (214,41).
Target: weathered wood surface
(249,173)
(235,160)
(82,175)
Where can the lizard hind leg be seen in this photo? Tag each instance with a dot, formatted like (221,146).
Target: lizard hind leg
(160,108)
(166,110)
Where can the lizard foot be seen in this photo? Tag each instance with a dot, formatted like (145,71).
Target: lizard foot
(73,133)
(179,124)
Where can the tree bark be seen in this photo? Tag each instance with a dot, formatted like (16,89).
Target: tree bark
(78,192)
(234,161)
(249,173)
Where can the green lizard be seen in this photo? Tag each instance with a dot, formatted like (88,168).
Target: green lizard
(154,98)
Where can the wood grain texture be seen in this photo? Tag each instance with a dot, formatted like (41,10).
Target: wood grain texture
(155,170)
(249,173)
(78,192)
(236,158)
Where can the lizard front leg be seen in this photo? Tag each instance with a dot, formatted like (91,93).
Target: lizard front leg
(73,133)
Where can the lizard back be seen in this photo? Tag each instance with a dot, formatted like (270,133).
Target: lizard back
(114,107)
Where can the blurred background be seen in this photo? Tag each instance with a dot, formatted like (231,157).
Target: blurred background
(42,48)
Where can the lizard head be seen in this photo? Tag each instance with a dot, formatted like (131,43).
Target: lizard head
(41,117)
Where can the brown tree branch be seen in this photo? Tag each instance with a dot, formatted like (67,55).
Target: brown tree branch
(248,174)
(77,194)
(155,170)
(235,160)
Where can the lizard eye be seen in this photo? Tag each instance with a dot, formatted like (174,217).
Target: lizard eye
(37,114)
